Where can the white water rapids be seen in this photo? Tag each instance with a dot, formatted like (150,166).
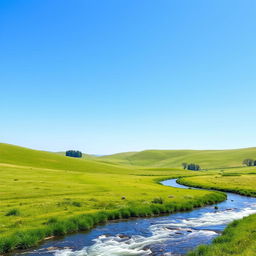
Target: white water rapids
(162,232)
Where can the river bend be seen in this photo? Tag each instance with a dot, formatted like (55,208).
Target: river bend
(172,235)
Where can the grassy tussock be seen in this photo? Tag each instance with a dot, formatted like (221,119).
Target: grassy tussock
(59,227)
(230,174)
(13,212)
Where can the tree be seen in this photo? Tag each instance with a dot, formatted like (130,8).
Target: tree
(193,167)
(74,153)
(197,167)
(249,162)
(184,165)
(254,163)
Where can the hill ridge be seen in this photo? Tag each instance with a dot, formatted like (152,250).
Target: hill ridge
(174,158)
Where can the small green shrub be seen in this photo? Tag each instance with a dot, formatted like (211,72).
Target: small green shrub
(77,204)
(13,212)
(52,220)
(157,200)
(231,174)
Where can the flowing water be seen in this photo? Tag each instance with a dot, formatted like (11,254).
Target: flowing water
(174,235)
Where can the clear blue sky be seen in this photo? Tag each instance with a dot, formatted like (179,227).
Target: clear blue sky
(112,76)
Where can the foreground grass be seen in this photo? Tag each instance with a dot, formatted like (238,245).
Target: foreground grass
(45,195)
(239,238)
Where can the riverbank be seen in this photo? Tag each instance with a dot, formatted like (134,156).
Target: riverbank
(58,227)
(242,183)
(239,238)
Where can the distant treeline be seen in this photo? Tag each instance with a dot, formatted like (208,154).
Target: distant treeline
(249,162)
(74,153)
(191,167)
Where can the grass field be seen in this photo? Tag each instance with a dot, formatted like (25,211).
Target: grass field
(239,238)
(45,194)
(174,158)
(242,181)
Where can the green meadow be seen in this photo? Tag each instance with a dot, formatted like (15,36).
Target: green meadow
(45,194)
(242,181)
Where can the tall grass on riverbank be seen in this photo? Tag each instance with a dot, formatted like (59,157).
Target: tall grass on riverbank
(58,227)
(238,239)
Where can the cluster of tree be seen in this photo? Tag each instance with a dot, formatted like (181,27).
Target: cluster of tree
(74,153)
(249,162)
(192,167)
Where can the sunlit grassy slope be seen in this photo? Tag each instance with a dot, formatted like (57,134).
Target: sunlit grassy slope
(174,158)
(41,191)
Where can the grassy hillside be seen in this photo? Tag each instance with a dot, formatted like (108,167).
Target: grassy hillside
(174,158)
(14,155)
(45,194)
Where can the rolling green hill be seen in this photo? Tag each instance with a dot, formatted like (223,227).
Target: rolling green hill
(174,158)
(15,155)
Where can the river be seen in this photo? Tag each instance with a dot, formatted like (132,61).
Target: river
(174,235)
